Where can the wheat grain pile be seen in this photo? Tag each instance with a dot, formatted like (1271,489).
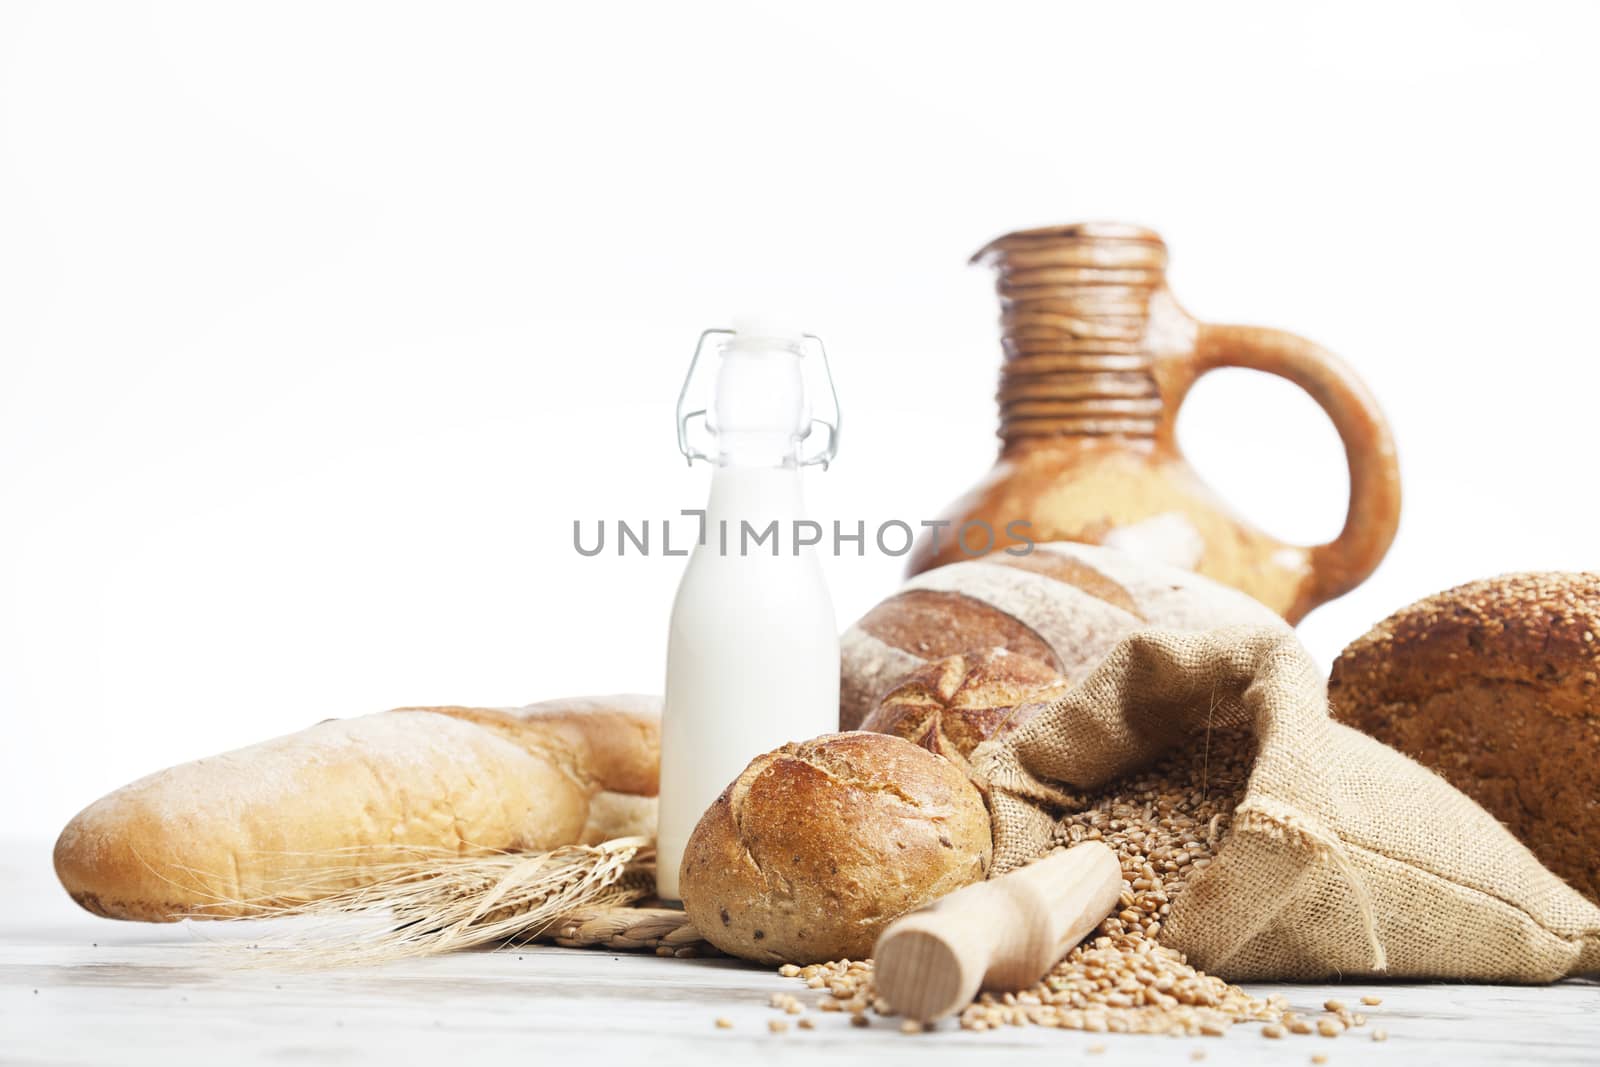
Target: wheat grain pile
(1165,823)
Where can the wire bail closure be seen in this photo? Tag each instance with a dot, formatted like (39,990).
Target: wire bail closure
(828,448)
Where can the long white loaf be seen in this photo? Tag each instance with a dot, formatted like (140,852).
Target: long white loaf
(287,820)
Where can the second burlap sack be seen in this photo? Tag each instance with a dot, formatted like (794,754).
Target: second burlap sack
(1344,857)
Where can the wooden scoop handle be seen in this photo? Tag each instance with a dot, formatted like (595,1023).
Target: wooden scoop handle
(1001,935)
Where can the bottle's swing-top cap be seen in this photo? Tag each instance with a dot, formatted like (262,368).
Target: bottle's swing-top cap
(756,396)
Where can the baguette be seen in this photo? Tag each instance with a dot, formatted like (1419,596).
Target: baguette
(284,822)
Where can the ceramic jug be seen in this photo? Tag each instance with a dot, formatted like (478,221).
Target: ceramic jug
(1098,358)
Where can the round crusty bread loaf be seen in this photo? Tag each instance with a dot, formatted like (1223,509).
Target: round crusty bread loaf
(1064,604)
(1496,686)
(283,822)
(953,705)
(817,846)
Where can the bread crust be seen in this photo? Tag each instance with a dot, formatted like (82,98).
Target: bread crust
(283,822)
(953,705)
(817,846)
(613,815)
(609,742)
(1496,685)
(1535,629)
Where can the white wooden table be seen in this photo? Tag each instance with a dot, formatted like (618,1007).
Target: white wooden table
(79,990)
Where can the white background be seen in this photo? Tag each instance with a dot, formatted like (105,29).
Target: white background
(320,323)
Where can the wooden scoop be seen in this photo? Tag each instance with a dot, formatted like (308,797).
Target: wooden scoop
(1002,935)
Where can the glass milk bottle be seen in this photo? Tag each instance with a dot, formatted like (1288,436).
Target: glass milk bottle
(753,650)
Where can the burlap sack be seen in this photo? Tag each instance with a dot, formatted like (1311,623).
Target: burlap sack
(1345,857)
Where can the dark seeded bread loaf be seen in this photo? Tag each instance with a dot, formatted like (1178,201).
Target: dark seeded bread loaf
(1496,685)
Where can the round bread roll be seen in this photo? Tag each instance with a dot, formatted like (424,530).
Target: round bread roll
(817,846)
(1496,685)
(1064,604)
(953,705)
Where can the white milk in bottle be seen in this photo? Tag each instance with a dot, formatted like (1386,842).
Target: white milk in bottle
(753,650)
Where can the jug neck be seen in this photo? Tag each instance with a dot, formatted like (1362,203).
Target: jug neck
(1075,307)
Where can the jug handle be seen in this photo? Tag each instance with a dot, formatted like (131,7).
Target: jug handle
(1373,514)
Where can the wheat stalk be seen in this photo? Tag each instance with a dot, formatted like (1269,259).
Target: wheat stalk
(435,901)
